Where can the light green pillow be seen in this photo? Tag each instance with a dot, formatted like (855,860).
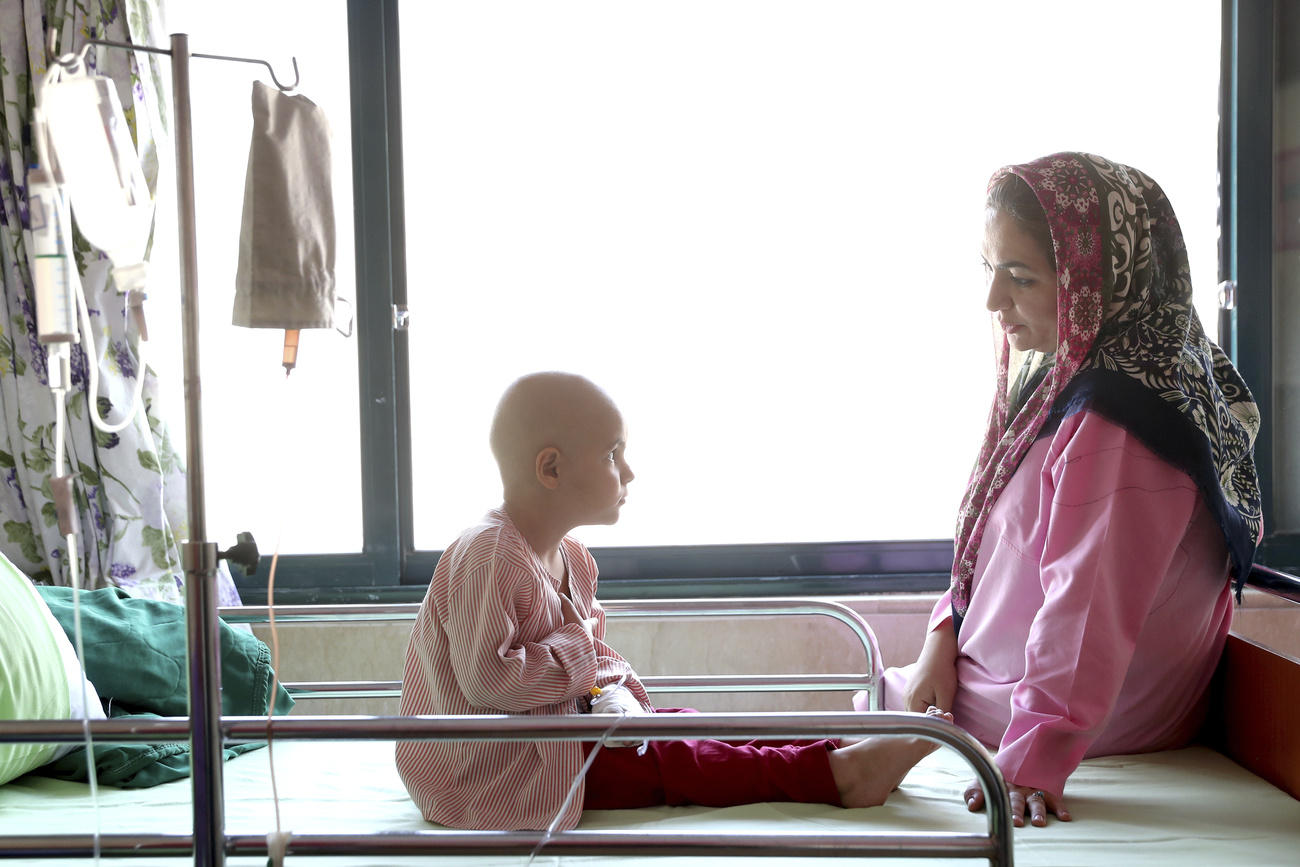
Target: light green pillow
(33,678)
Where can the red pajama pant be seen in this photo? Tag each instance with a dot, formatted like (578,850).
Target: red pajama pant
(710,773)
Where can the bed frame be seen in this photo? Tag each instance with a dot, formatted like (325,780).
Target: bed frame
(638,609)
(1254,727)
(995,846)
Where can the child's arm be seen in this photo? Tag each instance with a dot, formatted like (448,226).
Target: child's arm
(495,663)
(613,668)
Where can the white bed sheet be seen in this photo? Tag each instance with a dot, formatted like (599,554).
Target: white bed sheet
(1185,807)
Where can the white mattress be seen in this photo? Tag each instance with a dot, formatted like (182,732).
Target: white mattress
(1185,807)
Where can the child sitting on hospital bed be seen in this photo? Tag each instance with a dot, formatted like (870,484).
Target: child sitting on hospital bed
(511,624)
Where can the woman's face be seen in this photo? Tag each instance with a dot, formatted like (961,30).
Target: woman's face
(1021,284)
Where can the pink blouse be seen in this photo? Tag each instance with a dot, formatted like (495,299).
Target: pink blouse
(1100,606)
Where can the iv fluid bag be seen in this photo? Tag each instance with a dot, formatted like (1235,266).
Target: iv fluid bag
(98,166)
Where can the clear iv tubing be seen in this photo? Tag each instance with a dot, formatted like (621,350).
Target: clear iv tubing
(57,355)
(277,841)
(582,773)
(92,370)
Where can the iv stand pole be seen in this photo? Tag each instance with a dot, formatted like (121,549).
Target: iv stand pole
(199,556)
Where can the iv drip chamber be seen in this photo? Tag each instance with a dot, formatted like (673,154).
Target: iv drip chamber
(56,312)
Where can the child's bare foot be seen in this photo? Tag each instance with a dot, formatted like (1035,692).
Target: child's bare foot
(868,770)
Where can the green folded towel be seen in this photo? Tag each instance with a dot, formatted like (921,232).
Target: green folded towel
(135,655)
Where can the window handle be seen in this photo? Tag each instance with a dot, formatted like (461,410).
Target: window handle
(1227,304)
(1228,295)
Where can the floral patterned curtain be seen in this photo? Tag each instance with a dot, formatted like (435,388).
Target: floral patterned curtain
(129,486)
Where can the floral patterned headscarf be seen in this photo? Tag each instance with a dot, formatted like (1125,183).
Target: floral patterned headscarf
(1130,347)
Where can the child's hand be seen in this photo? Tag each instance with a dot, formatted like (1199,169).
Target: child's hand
(616,699)
(620,701)
(569,612)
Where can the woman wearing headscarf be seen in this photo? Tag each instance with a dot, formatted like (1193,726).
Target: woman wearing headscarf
(1114,499)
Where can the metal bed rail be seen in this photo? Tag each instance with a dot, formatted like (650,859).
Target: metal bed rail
(605,843)
(1274,582)
(632,609)
(312,689)
(995,846)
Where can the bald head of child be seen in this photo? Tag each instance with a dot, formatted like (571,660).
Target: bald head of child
(559,443)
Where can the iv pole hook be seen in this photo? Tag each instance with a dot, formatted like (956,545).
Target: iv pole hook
(73,63)
(275,79)
(265,63)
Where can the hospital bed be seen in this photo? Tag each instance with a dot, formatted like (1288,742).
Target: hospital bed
(1231,799)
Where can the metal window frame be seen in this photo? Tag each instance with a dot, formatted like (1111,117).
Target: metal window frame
(1248,80)
(390,569)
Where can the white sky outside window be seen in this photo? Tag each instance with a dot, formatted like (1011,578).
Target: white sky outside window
(281,458)
(757,225)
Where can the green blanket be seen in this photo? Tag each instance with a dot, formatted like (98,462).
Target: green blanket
(135,655)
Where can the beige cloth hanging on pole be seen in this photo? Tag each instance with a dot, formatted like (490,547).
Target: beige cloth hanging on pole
(285,277)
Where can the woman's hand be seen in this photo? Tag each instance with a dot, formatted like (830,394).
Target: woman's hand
(934,680)
(1037,802)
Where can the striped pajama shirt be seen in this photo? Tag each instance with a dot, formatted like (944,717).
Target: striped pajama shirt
(490,639)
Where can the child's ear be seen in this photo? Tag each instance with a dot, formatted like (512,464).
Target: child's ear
(547,467)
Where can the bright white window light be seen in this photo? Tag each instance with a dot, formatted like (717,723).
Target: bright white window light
(757,223)
(282,457)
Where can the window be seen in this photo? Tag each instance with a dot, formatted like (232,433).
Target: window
(1286,281)
(282,458)
(758,226)
(722,211)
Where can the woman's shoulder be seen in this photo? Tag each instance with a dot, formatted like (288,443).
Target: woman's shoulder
(1088,431)
(1088,443)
